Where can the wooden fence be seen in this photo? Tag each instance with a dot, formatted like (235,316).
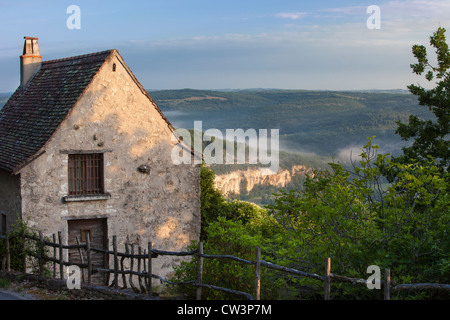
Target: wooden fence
(143,266)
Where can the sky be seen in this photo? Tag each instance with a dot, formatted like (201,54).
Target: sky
(217,44)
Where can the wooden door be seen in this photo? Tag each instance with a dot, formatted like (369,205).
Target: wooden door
(97,231)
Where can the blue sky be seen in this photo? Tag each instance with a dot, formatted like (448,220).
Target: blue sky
(215,44)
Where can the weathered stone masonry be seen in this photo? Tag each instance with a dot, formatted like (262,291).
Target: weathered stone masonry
(115,117)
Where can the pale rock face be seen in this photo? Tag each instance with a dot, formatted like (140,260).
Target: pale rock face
(231,182)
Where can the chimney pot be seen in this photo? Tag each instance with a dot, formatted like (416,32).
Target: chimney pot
(30,60)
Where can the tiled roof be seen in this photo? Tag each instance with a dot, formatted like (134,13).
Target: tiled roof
(31,115)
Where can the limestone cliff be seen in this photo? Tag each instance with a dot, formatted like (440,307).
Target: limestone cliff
(232,182)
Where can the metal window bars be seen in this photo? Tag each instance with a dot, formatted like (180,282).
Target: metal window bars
(85,174)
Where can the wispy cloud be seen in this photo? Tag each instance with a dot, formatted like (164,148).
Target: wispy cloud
(351,10)
(395,10)
(291,15)
(417,9)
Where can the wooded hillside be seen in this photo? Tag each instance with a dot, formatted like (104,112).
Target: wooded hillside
(322,122)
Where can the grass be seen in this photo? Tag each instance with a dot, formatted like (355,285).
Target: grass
(4,283)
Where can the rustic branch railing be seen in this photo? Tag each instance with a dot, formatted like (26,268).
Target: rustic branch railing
(144,260)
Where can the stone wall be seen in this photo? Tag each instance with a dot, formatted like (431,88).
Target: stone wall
(114,116)
(10,203)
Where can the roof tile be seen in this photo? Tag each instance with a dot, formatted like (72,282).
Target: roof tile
(31,115)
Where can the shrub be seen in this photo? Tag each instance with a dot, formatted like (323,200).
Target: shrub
(18,245)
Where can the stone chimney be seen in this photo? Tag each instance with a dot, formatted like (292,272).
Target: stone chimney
(30,61)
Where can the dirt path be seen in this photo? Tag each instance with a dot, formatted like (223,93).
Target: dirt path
(14,295)
(28,291)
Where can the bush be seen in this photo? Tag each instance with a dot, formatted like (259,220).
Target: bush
(230,237)
(359,220)
(18,244)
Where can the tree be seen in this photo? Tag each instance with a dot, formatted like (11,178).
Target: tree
(431,138)
(212,200)
(359,220)
(214,205)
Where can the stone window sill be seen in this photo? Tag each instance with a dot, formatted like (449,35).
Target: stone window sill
(87,197)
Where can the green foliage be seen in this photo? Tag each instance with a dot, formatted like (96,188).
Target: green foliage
(19,245)
(4,283)
(228,228)
(214,205)
(356,217)
(237,238)
(430,136)
(212,200)
(358,220)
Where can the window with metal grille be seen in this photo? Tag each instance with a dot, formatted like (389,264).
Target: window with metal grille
(85,174)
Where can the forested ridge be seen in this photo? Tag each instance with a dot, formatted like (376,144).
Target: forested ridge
(314,126)
(322,122)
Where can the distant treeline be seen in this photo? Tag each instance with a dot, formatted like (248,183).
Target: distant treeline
(322,122)
(4,98)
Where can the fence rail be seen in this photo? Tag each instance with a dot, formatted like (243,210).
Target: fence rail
(144,258)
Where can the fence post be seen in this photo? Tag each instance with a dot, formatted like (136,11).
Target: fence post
(116,263)
(130,278)
(106,264)
(24,255)
(8,254)
(327,278)
(124,277)
(88,256)
(41,254)
(387,284)
(54,257)
(81,258)
(149,269)
(139,269)
(258,273)
(61,266)
(200,270)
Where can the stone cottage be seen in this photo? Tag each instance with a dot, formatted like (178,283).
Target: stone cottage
(86,151)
